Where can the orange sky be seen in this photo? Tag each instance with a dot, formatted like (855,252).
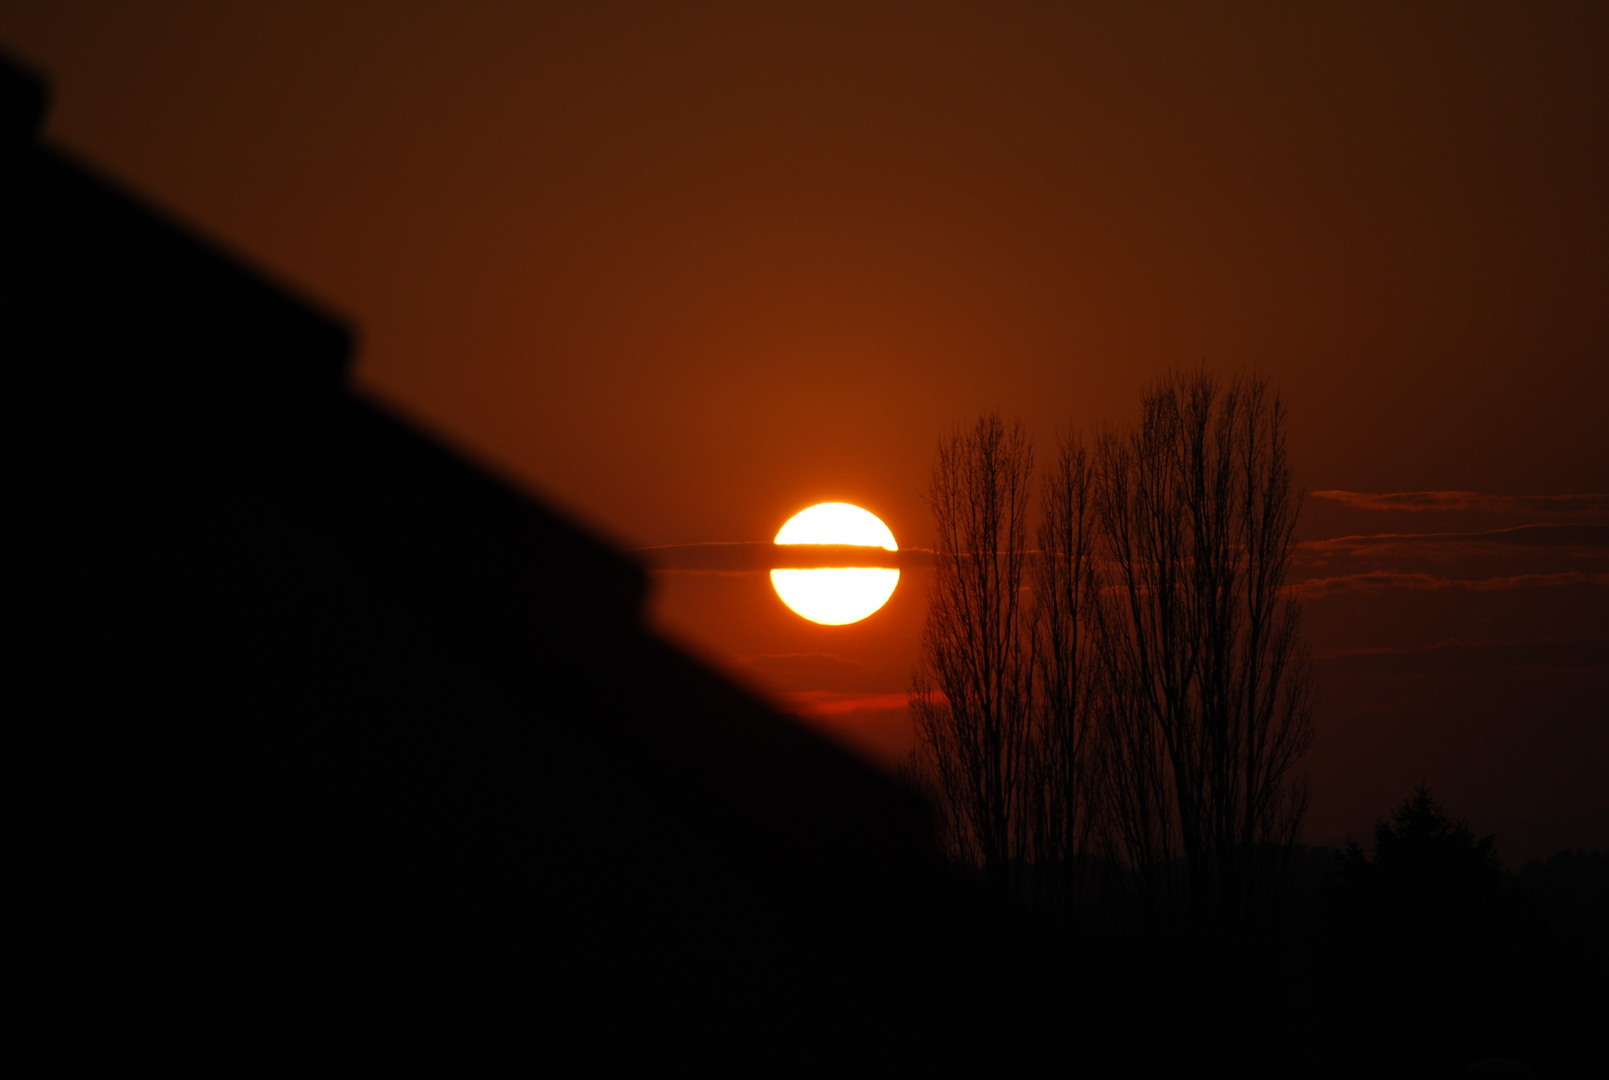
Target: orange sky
(685,269)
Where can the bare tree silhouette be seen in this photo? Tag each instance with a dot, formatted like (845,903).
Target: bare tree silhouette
(1211,687)
(1061,807)
(1153,699)
(972,692)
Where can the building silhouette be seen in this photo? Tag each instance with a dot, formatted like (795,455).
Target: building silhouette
(330,745)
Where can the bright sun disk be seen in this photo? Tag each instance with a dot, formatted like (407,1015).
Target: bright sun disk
(836,595)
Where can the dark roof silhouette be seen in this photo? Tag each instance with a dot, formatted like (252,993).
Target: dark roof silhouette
(330,738)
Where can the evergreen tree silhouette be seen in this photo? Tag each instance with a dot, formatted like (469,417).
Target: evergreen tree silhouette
(1432,887)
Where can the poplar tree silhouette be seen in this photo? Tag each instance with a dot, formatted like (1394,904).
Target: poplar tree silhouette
(1153,695)
(1063,810)
(972,692)
(1211,688)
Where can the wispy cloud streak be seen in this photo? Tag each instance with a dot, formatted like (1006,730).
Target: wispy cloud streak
(833,703)
(1556,656)
(1463,644)
(1375,581)
(1583,536)
(1590,504)
(759,556)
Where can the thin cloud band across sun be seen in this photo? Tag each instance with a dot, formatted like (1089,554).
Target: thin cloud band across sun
(836,596)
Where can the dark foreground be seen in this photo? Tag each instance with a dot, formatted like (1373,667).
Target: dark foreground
(1371,970)
(330,749)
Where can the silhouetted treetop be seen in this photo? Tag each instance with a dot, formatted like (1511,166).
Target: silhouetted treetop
(1430,880)
(1423,843)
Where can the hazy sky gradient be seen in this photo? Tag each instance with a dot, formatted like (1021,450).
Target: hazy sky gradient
(685,269)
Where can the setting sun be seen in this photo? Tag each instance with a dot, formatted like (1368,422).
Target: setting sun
(836,595)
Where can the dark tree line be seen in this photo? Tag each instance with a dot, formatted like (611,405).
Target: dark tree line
(1113,700)
(1426,946)
(1125,684)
